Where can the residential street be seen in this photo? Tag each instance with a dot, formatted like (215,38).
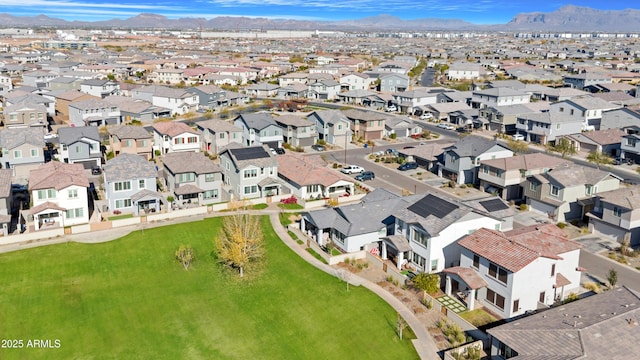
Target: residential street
(599,266)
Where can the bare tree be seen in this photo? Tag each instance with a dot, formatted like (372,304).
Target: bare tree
(402,324)
(185,256)
(344,275)
(240,241)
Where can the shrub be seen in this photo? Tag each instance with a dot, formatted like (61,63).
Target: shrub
(561,225)
(571,297)
(523,207)
(394,136)
(290,200)
(592,286)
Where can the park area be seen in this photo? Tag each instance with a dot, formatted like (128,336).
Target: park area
(130,299)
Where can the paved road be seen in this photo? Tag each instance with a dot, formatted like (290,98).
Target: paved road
(599,266)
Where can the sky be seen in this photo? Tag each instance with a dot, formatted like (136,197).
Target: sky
(474,11)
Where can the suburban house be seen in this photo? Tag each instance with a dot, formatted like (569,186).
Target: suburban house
(428,156)
(296,131)
(567,192)
(547,127)
(172,136)
(62,101)
(367,125)
(410,101)
(323,89)
(462,159)
(59,192)
(262,90)
(506,176)
(332,126)
(209,96)
(130,139)
(193,178)
(498,97)
(401,127)
(309,178)
(426,229)
(130,184)
(259,129)
(355,81)
(25,114)
(22,150)
(179,101)
(293,91)
(93,112)
(80,145)
(602,326)
(29,99)
(603,141)
(503,119)
(582,80)
(216,134)
(517,271)
(393,82)
(139,110)
(616,213)
(100,87)
(464,71)
(587,109)
(250,172)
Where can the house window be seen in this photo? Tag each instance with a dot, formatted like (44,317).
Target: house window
(485,169)
(178,141)
(553,269)
(123,203)
(476,261)
(617,211)
(34,152)
(591,190)
(516,305)
(251,189)
(221,135)
(533,186)
(128,143)
(561,109)
(434,265)
(74,213)
(541,297)
(250,173)
(17,154)
(209,177)
(122,185)
(192,139)
(141,184)
(495,299)
(631,142)
(72,193)
(418,260)
(498,273)
(554,190)
(46,194)
(557,126)
(185,177)
(210,194)
(419,237)
(313,188)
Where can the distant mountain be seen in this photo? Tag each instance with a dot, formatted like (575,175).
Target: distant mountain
(575,18)
(568,18)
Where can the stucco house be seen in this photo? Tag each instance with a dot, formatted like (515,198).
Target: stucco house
(309,178)
(129,139)
(130,184)
(250,172)
(59,192)
(216,134)
(93,112)
(368,125)
(80,145)
(297,131)
(616,213)
(259,129)
(173,136)
(193,178)
(22,150)
(332,126)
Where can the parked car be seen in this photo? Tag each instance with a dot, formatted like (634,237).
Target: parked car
(273,151)
(367,175)
(517,137)
(317,147)
(426,116)
(446,126)
(352,169)
(408,166)
(620,161)
(391,108)
(280,151)
(96,170)
(50,136)
(392,151)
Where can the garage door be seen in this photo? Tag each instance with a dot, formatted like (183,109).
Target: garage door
(541,207)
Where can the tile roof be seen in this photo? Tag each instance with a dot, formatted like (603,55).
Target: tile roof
(468,275)
(173,128)
(129,167)
(525,162)
(292,120)
(130,132)
(357,114)
(497,248)
(301,171)
(183,162)
(626,197)
(11,138)
(547,240)
(57,175)
(329,116)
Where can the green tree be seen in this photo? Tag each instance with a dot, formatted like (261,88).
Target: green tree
(240,242)
(185,255)
(598,158)
(612,277)
(428,283)
(563,147)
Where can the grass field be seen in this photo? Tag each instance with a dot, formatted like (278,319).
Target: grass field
(130,299)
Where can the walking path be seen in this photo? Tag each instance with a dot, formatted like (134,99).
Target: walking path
(424,343)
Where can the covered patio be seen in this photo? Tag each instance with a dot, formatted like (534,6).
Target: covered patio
(47,215)
(463,282)
(397,248)
(146,201)
(188,194)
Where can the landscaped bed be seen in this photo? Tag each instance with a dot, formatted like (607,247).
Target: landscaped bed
(129,298)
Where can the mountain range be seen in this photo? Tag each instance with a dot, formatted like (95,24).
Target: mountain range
(568,18)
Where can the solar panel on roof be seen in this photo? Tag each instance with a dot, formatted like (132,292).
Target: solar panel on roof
(494,205)
(432,205)
(250,153)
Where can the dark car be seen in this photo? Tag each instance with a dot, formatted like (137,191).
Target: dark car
(408,166)
(280,151)
(317,147)
(366,175)
(96,170)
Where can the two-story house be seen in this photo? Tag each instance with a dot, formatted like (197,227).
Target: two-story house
(80,145)
(324,89)
(193,178)
(356,81)
(209,96)
(544,128)
(517,271)
(411,100)
(366,125)
(173,136)
(505,176)
(25,114)
(588,109)
(216,134)
(462,159)
(296,131)
(250,172)
(309,178)
(393,82)
(616,213)
(100,87)
(22,150)
(6,200)
(498,97)
(630,144)
(129,139)
(332,126)
(259,129)
(93,112)
(130,184)
(566,192)
(59,192)
(179,101)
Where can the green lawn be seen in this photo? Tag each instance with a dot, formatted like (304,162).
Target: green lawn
(129,299)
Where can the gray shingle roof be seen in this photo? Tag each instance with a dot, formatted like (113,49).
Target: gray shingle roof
(69,135)
(184,162)
(128,167)
(257,121)
(11,138)
(471,146)
(130,132)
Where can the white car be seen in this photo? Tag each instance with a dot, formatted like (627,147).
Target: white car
(391,108)
(352,169)
(426,116)
(50,136)
(446,126)
(517,137)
